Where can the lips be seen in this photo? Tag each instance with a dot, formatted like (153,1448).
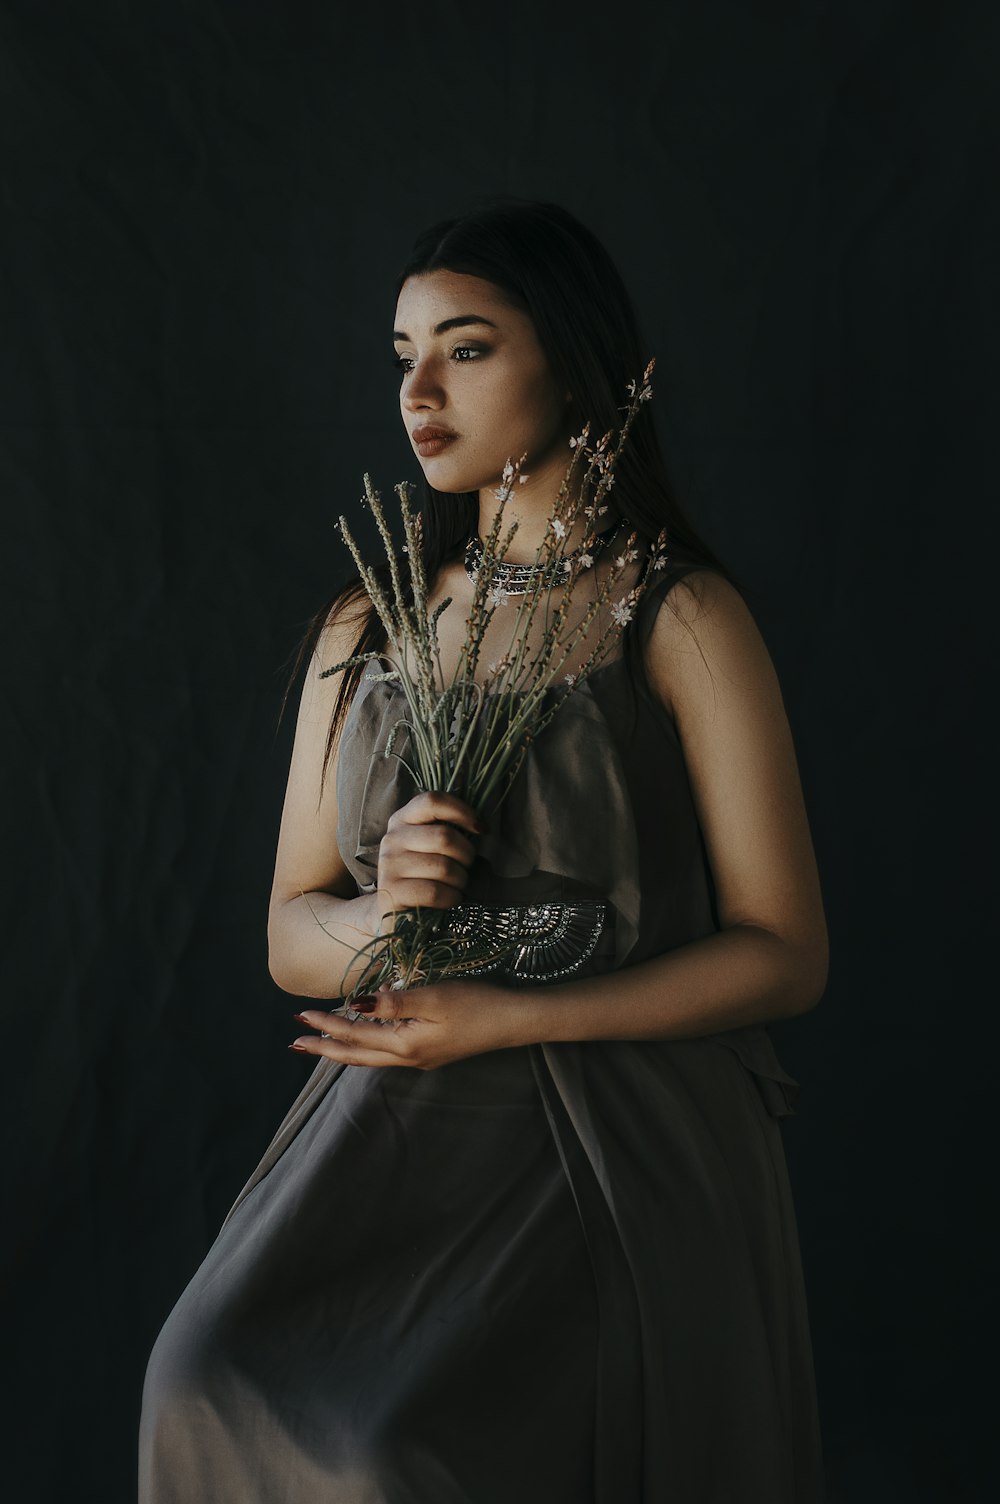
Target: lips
(431,440)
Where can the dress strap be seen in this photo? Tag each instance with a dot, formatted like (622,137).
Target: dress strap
(656,592)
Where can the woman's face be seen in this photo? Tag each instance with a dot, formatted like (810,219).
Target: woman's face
(483,378)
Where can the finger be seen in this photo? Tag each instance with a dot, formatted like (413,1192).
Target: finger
(433,866)
(426,807)
(349,1036)
(382,1005)
(402,893)
(439,838)
(350,1053)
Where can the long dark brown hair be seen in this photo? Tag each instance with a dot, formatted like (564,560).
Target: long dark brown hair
(551,266)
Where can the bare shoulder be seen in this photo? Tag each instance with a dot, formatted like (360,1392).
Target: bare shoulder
(704,643)
(342,626)
(335,642)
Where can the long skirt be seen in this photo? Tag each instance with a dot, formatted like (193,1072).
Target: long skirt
(400,1308)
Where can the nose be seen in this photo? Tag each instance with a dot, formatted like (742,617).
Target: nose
(423,390)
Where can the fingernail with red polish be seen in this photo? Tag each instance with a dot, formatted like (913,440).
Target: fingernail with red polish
(299,1019)
(364,1005)
(300,1047)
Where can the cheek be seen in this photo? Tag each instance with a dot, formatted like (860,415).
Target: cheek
(529,404)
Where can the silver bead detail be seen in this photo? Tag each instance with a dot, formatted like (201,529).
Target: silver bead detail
(549,940)
(517,579)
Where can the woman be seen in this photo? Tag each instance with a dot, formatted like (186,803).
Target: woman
(526,1234)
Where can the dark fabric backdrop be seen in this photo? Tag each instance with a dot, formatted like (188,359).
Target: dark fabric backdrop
(203,208)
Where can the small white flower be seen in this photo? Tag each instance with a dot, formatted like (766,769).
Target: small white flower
(522,478)
(503,493)
(621,612)
(590,511)
(659,563)
(586,560)
(492,668)
(559,528)
(631,388)
(601,511)
(572,443)
(567,565)
(508,470)
(621,561)
(570,678)
(631,553)
(498,595)
(645,394)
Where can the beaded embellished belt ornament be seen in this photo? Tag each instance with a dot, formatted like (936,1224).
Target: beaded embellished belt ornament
(539,941)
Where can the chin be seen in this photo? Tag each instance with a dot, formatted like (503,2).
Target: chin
(451,485)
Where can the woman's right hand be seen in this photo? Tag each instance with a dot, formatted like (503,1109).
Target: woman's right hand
(425,855)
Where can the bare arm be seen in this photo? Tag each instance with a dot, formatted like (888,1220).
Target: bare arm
(316,918)
(769,960)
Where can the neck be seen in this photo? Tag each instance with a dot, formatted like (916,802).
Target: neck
(531,503)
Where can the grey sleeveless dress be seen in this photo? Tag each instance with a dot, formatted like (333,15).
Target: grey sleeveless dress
(558,1274)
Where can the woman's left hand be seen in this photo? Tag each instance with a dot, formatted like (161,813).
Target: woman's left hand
(425,1026)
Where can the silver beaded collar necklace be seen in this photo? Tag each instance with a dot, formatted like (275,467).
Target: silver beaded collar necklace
(517,579)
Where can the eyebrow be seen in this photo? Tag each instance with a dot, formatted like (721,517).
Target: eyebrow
(456,323)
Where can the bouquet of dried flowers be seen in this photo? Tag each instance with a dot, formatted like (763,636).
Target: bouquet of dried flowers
(469,738)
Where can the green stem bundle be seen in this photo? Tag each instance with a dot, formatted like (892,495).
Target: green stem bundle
(467,738)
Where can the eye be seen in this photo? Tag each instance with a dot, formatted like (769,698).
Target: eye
(404,363)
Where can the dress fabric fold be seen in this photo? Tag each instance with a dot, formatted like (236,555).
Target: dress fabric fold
(564,1272)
